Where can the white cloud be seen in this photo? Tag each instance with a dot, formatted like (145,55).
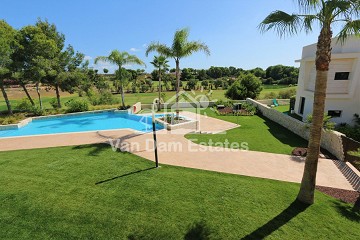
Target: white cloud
(87,58)
(101,65)
(135,49)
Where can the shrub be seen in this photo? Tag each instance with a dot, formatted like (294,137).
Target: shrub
(286,94)
(327,124)
(24,105)
(251,109)
(77,106)
(292,102)
(54,104)
(37,111)
(124,108)
(349,131)
(104,98)
(270,95)
(247,86)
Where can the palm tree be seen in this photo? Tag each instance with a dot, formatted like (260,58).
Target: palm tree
(325,14)
(180,48)
(120,59)
(161,64)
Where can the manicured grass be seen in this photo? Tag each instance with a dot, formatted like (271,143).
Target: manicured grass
(283,108)
(91,192)
(260,133)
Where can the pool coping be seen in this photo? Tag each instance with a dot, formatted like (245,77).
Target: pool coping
(26,121)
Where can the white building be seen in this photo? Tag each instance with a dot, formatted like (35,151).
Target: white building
(343,90)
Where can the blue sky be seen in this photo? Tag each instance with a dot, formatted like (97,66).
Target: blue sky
(228,27)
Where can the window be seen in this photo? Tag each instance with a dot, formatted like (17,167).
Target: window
(342,76)
(334,113)
(302,105)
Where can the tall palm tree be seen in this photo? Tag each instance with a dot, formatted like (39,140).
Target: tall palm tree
(324,13)
(180,48)
(161,63)
(120,59)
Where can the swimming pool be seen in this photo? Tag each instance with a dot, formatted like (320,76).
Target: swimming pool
(108,120)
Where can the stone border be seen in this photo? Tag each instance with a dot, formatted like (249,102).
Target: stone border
(330,140)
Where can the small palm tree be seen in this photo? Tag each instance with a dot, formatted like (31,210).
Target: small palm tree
(161,63)
(180,48)
(325,14)
(120,59)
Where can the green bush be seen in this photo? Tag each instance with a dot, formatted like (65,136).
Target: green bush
(349,131)
(24,105)
(251,109)
(327,124)
(247,86)
(37,111)
(54,103)
(104,98)
(292,102)
(270,95)
(77,106)
(286,94)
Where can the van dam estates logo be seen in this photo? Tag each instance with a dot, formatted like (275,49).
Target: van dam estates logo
(208,146)
(188,101)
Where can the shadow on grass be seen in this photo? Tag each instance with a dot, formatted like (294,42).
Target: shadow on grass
(284,135)
(198,231)
(350,212)
(277,222)
(96,149)
(124,175)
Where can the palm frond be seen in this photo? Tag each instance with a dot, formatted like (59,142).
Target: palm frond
(308,21)
(103,59)
(307,6)
(160,48)
(194,46)
(180,38)
(132,59)
(282,22)
(350,28)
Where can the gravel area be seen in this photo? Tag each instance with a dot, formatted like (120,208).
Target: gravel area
(344,195)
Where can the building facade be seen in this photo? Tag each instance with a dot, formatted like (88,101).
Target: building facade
(343,90)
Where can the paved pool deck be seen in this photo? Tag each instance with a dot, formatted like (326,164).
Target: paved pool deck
(175,149)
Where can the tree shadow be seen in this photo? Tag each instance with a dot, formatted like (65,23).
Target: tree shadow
(95,149)
(277,222)
(350,212)
(284,135)
(124,175)
(198,231)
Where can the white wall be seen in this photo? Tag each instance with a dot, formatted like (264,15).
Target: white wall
(342,95)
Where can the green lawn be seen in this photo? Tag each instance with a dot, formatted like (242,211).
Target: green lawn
(260,133)
(90,192)
(282,108)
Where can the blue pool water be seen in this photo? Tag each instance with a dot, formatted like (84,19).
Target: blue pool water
(83,123)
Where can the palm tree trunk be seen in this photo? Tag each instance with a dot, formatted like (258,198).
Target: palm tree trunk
(323,58)
(27,92)
(58,95)
(39,96)
(159,89)
(177,72)
(8,104)
(121,88)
